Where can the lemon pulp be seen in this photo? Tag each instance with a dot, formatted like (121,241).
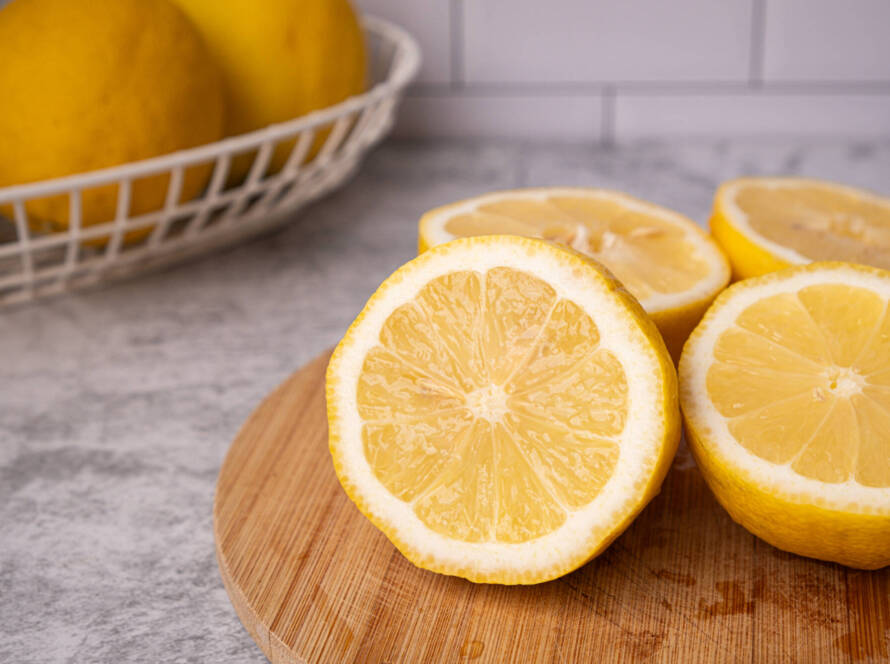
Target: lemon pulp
(820,222)
(490,408)
(649,255)
(803,379)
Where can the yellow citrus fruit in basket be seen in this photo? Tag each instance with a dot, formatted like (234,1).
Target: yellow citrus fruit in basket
(88,85)
(501,409)
(281,59)
(766,224)
(785,390)
(664,259)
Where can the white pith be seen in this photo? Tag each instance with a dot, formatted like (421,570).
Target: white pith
(434,229)
(639,443)
(739,219)
(712,427)
(488,403)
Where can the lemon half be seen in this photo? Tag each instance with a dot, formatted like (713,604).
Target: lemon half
(501,409)
(667,262)
(785,390)
(768,224)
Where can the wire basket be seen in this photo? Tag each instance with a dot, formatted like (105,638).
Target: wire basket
(35,265)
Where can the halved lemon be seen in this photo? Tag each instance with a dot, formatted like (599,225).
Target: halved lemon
(501,409)
(768,224)
(667,262)
(785,390)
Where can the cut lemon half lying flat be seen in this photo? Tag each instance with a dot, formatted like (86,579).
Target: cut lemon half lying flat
(767,224)
(667,262)
(785,389)
(501,409)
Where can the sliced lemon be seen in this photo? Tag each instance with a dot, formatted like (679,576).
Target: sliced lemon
(785,390)
(501,409)
(667,262)
(768,224)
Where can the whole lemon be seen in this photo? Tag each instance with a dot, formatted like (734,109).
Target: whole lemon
(87,85)
(280,59)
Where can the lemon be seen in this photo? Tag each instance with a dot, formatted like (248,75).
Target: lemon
(664,259)
(785,390)
(93,84)
(767,224)
(501,409)
(281,59)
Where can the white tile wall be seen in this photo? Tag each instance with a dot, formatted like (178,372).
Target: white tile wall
(825,40)
(620,69)
(430,23)
(586,40)
(503,116)
(654,115)
(603,70)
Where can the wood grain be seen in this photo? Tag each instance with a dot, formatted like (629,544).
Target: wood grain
(313,581)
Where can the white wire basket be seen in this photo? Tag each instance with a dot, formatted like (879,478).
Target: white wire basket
(35,265)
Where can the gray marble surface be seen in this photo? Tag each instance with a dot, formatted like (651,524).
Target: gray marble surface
(117,405)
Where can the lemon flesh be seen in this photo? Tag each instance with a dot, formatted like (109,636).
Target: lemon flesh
(511,423)
(480,413)
(662,258)
(765,224)
(786,385)
(798,379)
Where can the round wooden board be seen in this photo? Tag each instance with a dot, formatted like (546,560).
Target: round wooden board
(313,581)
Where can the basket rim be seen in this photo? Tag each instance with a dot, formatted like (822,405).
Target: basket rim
(406,63)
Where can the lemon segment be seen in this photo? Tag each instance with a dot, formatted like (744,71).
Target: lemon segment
(661,257)
(501,409)
(767,224)
(784,393)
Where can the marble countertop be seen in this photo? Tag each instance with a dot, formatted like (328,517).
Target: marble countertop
(117,405)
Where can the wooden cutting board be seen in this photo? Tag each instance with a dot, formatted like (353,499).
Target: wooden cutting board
(313,581)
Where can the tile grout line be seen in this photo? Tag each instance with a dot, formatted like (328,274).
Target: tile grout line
(758,43)
(607,121)
(456,43)
(667,88)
